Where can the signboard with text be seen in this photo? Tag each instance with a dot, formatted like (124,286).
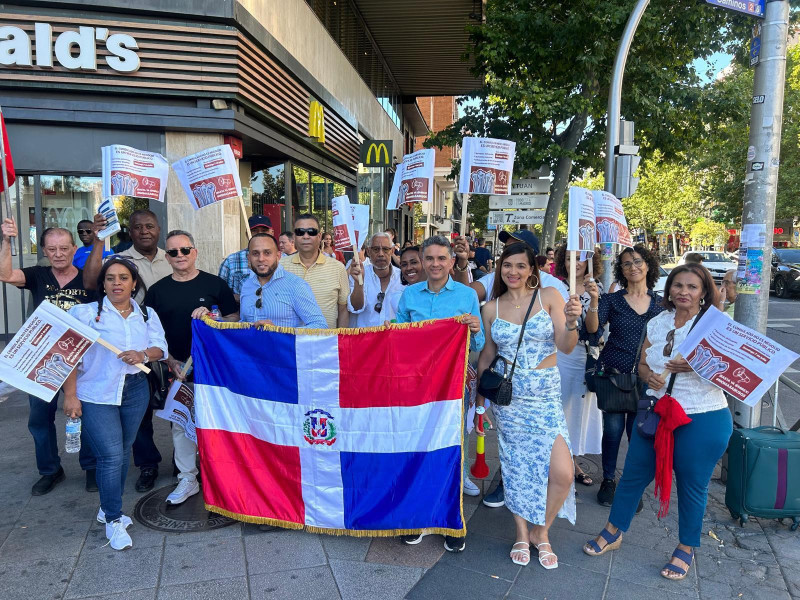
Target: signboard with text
(526,201)
(516,217)
(753,8)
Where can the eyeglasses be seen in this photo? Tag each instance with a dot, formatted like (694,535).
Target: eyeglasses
(258,302)
(311,231)
(379,303)
(84,231)
(185,250)
(627,265)
(670,343)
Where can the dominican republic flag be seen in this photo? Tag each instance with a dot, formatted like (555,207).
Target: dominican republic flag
(356,432)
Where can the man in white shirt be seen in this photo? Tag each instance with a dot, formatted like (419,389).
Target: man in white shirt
(374,302)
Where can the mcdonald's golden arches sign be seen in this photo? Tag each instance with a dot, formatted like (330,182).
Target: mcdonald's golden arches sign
(316,121)
(376,153)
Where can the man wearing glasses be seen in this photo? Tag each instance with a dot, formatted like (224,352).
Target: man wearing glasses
(271,295)
(186,294)
(326,276)
(86,236)
(375,301)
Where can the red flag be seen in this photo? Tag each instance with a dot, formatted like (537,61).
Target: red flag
(9,162)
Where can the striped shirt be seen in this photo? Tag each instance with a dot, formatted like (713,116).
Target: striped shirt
(286,300)
(328,280)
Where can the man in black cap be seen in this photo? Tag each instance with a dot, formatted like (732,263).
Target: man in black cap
(236,268)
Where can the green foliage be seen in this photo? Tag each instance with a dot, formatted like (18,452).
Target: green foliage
(708,233)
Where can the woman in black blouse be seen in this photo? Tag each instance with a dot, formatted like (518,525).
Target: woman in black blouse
(626,312)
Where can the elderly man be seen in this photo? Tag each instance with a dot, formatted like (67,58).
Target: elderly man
(188,293)
(326,276)
(286,243)
(440,298)
(375,300)
(411,270)
(236,267)
(62,284)
(271,295)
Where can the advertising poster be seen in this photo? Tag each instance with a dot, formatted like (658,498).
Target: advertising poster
(612,227)
(44,351)
(752,243)
(413,181)
(209,176)
(344,231)
(136,173)
(179,408)
(486,166)
(735,358)
(361,220)
(108,210)
(580,224)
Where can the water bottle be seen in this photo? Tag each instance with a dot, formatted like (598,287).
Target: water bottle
(215,314)
(73,441)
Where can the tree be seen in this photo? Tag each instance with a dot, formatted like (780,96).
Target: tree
(708,233)
(547,66)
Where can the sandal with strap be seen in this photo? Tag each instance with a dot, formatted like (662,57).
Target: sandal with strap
(613,541)
(526,553)
(544,554)
(680,555)
(584,479)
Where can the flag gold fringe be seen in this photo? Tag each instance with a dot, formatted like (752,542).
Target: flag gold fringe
(339,331)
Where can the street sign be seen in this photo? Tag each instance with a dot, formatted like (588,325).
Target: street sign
(755,45)
(516,217)
(759,99)
(754,8)
(526,201)
(757,166)
(530,186)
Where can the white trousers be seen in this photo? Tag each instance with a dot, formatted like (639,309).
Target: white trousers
(185,453)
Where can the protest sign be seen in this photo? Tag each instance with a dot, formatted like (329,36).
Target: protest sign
(209,176)
(361,220)
(44,351)
(413,181)
(612,227)
(179,408)
(580,228)
(738,360)
(344,234)
(486,166)
(108,210)
(136,173)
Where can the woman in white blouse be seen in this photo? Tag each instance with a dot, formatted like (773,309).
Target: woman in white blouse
(698,444)
(109,392)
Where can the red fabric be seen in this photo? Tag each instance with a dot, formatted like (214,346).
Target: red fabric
(248,476)
(409,367)
(339,256)
(672,417)
(9,162)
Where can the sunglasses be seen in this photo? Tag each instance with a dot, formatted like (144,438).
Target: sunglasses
(185,250)
(670,343)
(379,303)
(311,231)
(84,231)
(122,258)
(258,301)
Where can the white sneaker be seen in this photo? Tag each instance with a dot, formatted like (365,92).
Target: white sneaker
(470,489)
(186,487)
(118,538)
(101,518)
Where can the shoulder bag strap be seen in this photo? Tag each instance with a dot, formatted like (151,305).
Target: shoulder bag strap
(672,376)
(522,330)
(641,343)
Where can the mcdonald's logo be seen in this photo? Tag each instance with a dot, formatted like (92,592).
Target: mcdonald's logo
(376,153)
(316,122)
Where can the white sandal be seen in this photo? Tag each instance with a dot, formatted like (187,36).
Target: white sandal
(544,554)
(525,553)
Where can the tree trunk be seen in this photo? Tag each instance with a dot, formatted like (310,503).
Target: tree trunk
(569,142)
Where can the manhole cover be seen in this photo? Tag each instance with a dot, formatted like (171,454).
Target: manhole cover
(152,511)
(589,466)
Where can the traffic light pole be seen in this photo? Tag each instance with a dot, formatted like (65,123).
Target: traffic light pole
(761,182)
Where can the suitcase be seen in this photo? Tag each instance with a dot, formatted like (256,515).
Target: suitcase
(764,474)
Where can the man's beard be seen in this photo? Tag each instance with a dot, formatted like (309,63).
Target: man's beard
(270,271)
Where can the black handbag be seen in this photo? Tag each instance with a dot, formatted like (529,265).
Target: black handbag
(157,378)
(495,386)
(616,392)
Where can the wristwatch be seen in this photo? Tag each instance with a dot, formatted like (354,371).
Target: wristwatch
(479,410)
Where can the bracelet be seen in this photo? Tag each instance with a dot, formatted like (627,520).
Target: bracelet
(146,358)
(479,410)
(573,328)
(460,270)
(595,309)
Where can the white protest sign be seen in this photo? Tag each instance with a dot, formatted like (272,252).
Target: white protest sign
(44,351)
(136,173)
(486,166)
(108,210)
(209,176)
(612,227)
(413,181)
(344,231)
(361,221)
(735,358)
(179,408)
(580,223)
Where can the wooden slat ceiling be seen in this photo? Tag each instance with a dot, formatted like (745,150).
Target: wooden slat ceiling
(422,41)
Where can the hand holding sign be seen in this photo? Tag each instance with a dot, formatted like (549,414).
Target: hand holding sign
(580,229)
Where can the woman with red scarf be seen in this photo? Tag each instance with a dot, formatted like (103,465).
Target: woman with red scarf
(694,428)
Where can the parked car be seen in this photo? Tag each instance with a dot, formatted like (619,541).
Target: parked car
(716,262)
(662,280)
(785,271)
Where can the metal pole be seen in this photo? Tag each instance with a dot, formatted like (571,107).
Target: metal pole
(614,109)
(761,180)
(5,183)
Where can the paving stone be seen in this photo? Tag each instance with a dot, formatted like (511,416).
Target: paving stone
(562,583)
(114,572)
(44,534)
(203,561)
(365,581)
(392,551)
(619,589)
(453,583)
(143,537)
(568,546)
(300,584)
(630,563)
(283,550)
(486,555)
(132,595)
(345,547)
(220,589)
(38,578)
(741,576)
(493,522)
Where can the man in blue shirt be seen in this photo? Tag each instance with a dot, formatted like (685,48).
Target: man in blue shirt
(273,296)
(482,255)
(86,235)
(440,298)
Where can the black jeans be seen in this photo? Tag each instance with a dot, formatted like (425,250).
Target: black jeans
(145,453)
(613,426)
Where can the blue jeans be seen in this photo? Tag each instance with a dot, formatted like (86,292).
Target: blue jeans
(110,431)
(42,425)
(614,424)
(145,452)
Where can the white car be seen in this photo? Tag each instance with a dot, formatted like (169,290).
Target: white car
(662,281)
(716,262)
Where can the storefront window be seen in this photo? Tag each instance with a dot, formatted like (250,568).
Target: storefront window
(268,187)
(313,194)
(370,191)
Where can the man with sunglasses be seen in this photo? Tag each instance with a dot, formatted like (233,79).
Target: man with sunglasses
(375,301)
(86,236)
(186,294)
(236,267)
(326,276)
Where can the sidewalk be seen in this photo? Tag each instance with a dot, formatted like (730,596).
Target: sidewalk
(51,547)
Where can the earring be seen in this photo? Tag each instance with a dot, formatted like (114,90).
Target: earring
(702,301)
(533,287)
(669,297)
